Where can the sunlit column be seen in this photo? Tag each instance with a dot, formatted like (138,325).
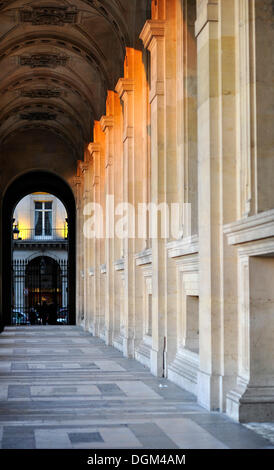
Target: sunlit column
(216,199)
(94,259)
(107,125)
(153,37)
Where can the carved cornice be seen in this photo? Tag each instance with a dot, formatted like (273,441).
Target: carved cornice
(144,257)
(124,85)
(106,121)
(183,247)
(83,166)
(152,29)
(43,60)
(48,15)
(256,227)
(119,265)
(93,148)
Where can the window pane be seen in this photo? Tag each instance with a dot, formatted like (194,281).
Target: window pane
(48,205)
(48,223)
(38,205)
(38,223)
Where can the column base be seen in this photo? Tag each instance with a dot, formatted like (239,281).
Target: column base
(128,347)
(94,328)
(143,352)
(118,342)
(108,337)
(156,363)
(184,370)
(209,391)
(251,403)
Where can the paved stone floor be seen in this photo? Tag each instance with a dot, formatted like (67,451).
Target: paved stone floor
(61,388)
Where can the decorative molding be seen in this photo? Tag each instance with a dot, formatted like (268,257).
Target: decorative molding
(152,29)
(83,166)
(48,15)
(207,11)
(43,60)
(188,267)
(91,272)
(157,88)
(256,227)
(41,93)
(183,371)
(76,180)
(143,352)
(93,147)
(119,265)
(128,133)
(144,257)
(103,269)
(38,116)
(106,121)
(109,162)
(96,180)
(124,85)
(183,247)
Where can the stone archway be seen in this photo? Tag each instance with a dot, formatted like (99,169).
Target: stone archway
(23,185)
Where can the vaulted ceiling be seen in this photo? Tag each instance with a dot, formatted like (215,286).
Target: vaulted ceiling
(58,58)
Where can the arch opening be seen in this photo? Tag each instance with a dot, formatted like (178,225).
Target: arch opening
(38,258)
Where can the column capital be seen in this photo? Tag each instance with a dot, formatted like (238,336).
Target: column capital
(93,147)
(106,121)
(108,162)
(207,11)
(83,166)
(124,85)
(76,180)
(152,29)
(96,180)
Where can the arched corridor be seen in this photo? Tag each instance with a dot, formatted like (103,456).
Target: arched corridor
(151,121)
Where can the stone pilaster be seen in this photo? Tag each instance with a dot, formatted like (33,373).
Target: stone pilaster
(153,37)
(84,167)
(94,271)
(125,89)
(107,125)
(216,200)
(77,188)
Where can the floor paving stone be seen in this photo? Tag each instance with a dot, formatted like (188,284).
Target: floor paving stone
(61,388)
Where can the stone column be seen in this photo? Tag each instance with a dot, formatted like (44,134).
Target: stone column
(89,254)
(125,89)
(153,37)
(76,185)
(129,89)
(107,125)
(216,200)
(94,270)
(85,200)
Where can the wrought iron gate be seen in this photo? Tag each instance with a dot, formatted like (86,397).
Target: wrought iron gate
(40,291)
